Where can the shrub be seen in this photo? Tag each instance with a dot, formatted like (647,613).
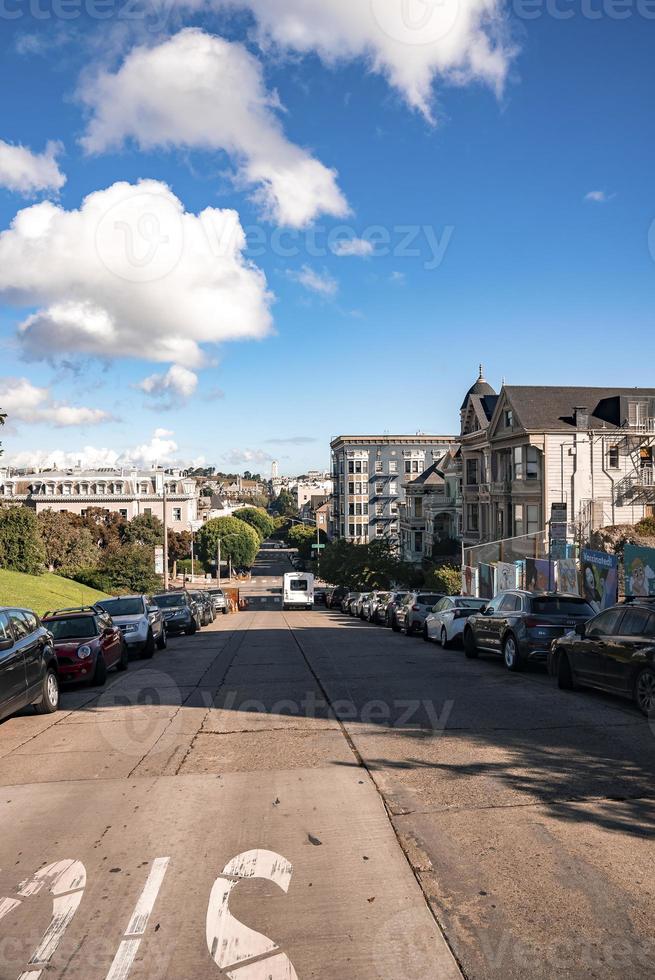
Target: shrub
(21,547)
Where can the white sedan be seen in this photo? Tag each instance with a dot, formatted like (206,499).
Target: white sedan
(447,619)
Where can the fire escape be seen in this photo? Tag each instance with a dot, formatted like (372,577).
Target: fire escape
(638,443)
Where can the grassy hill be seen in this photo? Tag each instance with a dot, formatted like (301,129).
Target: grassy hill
(43,592)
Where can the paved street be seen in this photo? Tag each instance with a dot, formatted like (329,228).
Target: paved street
(371,806)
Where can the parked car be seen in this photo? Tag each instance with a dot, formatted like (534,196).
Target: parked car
(448,618)
(411,615)
(87,644)
(614,651)
(370,605)
(29,673)
(387,614)
(349,598)
(220,601)
(335,597)
(141,622)
(181,613)
(356,604)
(520,626)
(205,606)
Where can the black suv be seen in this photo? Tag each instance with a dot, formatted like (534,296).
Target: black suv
(615,652)
(521,626)
(28,665)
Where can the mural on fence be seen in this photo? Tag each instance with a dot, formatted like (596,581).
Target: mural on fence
(639,565)
(486,581)
(539,574)
(567,576)
(506,576)
(469,580)
(600,578)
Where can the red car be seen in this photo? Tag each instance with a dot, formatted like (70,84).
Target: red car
(87,644)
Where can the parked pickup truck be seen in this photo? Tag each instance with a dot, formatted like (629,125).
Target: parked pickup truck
(220,601)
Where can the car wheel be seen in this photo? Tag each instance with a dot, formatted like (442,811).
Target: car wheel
(124,661)
(645,691)
(394,624)
(162,639)
(50,695)
(192,629)
(149,648)
(407,627)
(100,673)
(565,680)
(470,648)
(511,653)
(444,638)
(225,611)
(426,635)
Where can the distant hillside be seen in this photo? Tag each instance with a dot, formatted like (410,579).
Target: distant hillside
(43,592)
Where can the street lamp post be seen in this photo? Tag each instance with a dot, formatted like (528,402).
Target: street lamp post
(165,522)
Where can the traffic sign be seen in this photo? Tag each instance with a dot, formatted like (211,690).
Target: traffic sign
(318,546)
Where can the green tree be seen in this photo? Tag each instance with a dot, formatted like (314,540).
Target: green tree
(363,566)
(257,518)
(144,529)
(68,545)
(126,569)
(179,545)
(106,526)
(21,547)
(285,505)
(302,537)
(444,578)
(239,541)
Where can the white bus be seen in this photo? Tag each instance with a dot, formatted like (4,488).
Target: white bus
(298,591)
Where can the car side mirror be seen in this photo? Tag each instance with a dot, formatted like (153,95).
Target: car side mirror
(581,629)
(6,644)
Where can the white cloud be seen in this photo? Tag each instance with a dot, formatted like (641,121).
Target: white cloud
(25,402)
(200,91)
(317,282)
(172,388)
(412,43)
(25,172)
(131,274)
(598,197)
(243,457)
(353,246)
(160,449)
(397,278)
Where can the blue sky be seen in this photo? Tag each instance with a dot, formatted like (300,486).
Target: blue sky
(509,263)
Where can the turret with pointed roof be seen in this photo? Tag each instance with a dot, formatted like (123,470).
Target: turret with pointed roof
(481,387)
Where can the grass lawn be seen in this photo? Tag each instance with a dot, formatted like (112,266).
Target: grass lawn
(43,592)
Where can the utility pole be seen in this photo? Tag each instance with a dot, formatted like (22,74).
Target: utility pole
(218,563)
(191,553)
(165,522)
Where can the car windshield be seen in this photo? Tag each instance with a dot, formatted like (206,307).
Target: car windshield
(428,600)
(562,606)
(300,585)
(72,628)
(168,600)
(122,607)
(470,603)
(215,591)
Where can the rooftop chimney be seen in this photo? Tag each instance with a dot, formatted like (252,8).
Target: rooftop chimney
(581,416)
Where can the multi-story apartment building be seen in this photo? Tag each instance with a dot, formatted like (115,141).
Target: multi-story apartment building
(127,492)
(368,474)
(531,447)
(432,510)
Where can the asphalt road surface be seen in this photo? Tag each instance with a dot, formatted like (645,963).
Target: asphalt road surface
(292,794)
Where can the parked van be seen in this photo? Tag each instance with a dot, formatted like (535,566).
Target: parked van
(298,592)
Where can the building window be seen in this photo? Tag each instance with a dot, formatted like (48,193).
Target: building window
(379,509)
(379,530)
(351,488)
(518,463)
(147,510)
(123,513)
(177,513)
(378,465)
(379,488)
(509,418)
(518,520)
(393,465)
(418,541)
(613,458)
(532,463)
(532,518)
(351,530)
(393,488)
(472,517)
(471,472)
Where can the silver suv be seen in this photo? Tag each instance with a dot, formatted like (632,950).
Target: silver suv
(219,599)
(140,622)
(412,614)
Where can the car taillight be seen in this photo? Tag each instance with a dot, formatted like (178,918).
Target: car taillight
(461,613)
(415,608)
(531,622)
